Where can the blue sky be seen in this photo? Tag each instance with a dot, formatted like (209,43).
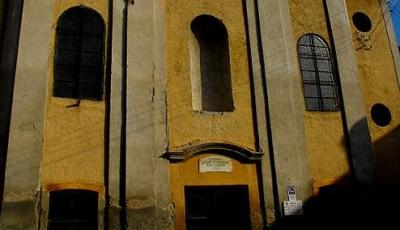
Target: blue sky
(396,18)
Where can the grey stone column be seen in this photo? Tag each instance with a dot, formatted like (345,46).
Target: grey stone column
(21,192)
(115,117)
(146,172)
(164,207)
(353,99)
(284,94)
(260,109)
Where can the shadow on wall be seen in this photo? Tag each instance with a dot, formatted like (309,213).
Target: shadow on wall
(348,207)
(346,204)
(387,152)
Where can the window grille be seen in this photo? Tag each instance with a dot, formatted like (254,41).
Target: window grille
(319,85)
(79,54)
(73,210)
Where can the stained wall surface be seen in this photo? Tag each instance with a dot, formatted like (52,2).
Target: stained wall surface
(73,143)
(379,82)
(189,126)
(21,189)
(185,126)
(325,136)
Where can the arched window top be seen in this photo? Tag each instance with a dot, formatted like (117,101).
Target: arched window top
(209,28)
(74,17)
(79,54)
(319,83)
(212,56)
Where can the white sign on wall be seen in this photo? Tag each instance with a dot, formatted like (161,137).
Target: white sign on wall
(215,164)
(292,206)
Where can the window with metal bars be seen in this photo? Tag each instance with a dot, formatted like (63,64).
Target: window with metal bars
(79,55)
(318,73)
(73,210)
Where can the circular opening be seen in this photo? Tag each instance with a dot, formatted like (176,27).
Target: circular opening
(362,22)
(381,115)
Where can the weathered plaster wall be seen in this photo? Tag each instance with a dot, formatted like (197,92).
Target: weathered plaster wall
(284,93)
(359,139)
(325,137)
(115,117)
(379,82)
(187,174)
(186,127)
(73,145)
(25,145)
(147,182)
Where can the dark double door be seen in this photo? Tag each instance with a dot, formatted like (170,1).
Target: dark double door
(217,208)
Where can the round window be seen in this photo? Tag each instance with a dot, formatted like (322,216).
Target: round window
(362,22)
(381,115)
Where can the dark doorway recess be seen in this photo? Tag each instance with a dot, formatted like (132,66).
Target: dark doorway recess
(217,207)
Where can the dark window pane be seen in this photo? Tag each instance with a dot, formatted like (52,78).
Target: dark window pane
(66,73)
(307,64)
(91,74)
(91,59)
(312,104)
(68,41)
(311,91)
(328,92)
(324,65)
(60,203)
(321,52)
(89,91)
(306,50)
(73,210)
(60,226)
(64,56)
(93,28)
(94,44)
(305,40)
(318,41)
(309,76)
(326,77)
(317,73)
(79,54)
(85,226)
(329,104)
(65,89)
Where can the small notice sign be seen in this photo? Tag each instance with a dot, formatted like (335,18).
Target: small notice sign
(215,164)
(291,193)
(292,208)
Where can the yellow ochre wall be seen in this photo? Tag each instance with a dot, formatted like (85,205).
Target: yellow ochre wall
(328,157)
(187,173)
(380,85)
(73,148)
(187,127)
(184,125)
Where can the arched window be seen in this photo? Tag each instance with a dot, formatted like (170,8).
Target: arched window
(79,55)
(319,84)
(73,209)
(215,73)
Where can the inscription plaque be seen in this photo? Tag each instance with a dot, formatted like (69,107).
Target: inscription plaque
(215,164)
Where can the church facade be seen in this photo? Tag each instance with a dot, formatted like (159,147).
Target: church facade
(192,114)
